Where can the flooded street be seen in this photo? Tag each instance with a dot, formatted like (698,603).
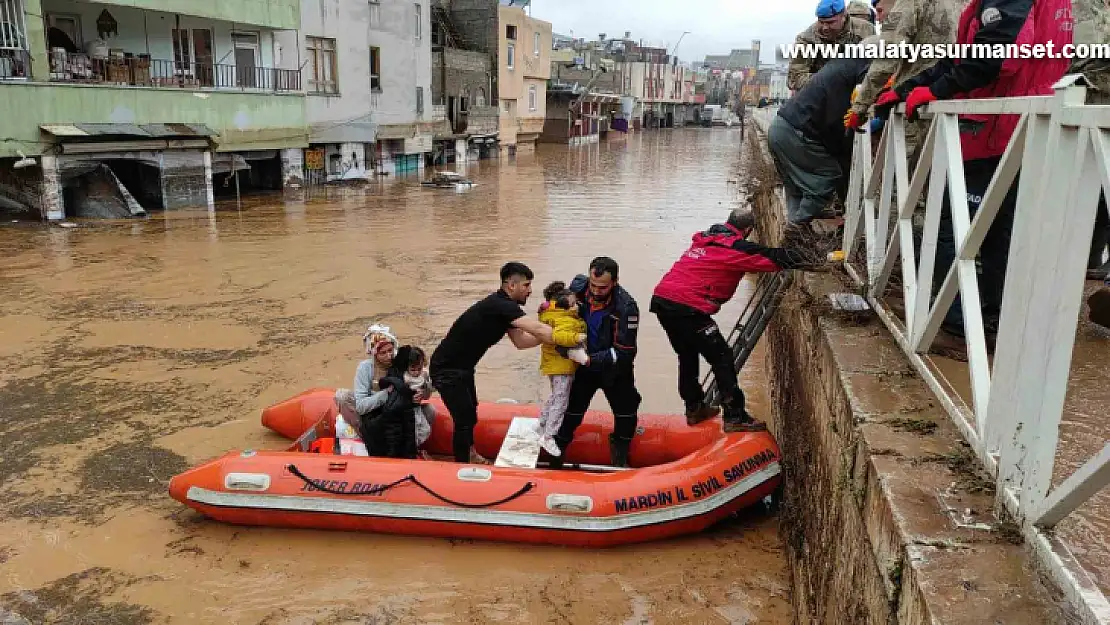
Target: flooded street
(130,351)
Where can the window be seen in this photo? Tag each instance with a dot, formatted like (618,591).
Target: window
(532,98)
(419,101)
(419,19)
(322,66)
(375,69)
(480,97)
(510,32)
(536,44)
(511,57)
(192,55)
(375,13)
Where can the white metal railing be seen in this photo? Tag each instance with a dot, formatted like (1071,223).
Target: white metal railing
(1062,149)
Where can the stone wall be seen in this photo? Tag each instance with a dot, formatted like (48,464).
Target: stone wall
(886,517)
(460,73)
(184,183)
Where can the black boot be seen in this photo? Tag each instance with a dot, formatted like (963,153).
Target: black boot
(737,419)
(699,412)
(618,450)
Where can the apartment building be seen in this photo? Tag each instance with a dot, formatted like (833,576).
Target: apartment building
(519,48)
(367,74)
(116,108)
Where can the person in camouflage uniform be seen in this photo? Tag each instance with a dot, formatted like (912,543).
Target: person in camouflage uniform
(862,11)
(1092,25)
(913,22)
(834,26)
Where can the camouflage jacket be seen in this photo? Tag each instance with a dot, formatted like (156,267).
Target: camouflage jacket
(1092,25)
(802,69)
(914,22)
(860,10)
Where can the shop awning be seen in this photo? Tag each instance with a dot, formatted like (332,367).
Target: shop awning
(91,138)
(145,131)
(396,131)
(602,98)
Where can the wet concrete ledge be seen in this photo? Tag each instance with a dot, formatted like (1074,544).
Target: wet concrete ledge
(886,516)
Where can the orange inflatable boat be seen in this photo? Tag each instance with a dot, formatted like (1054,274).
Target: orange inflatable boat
(683,480)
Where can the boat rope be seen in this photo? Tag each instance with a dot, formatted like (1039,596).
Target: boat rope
(523,489)
(409,478)
(377,490)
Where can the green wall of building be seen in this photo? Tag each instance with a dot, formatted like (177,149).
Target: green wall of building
(279,14)
(244,121)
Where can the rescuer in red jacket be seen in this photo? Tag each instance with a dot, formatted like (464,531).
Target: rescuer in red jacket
(700,282)
(984,138)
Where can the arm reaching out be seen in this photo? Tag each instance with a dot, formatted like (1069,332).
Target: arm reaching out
(528,333)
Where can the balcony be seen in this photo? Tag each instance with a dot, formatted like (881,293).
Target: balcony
(142,71)
(125,44)
(14,64)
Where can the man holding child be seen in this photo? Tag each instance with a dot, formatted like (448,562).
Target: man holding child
(481,327)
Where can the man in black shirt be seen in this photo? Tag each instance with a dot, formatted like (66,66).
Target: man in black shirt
(473,333)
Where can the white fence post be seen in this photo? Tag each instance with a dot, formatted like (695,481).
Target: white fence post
(1040,307)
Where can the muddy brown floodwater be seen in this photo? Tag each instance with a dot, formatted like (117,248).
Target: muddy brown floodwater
(132,350)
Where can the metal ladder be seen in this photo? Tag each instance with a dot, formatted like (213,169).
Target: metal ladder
(753,321)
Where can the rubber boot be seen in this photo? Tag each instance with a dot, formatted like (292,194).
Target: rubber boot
(737,419)
(618,450)
(699,412)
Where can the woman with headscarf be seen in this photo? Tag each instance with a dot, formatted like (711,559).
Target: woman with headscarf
(381,347)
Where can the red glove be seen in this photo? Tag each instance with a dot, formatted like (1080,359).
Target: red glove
(886,101)
(852,121)
(920,96)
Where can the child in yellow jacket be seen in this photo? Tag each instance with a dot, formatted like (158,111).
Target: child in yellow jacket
(560,311)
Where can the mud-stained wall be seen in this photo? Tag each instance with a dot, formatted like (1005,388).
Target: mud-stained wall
(886,517)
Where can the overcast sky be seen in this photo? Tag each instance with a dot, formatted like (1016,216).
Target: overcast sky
(716,26)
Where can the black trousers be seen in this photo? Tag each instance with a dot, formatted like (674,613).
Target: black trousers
(390,434)
(696,335)
(993,254)
(624,400)
(1101,236)
(456,388)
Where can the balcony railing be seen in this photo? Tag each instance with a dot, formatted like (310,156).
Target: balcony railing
(14,63)
(142,71)
(1012,419)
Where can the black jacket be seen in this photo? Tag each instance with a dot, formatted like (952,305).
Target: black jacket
(818,109)
(615,349)
(390,430)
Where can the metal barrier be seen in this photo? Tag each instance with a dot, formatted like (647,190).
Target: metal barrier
(1062,148)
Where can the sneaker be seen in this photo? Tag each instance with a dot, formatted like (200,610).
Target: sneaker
(700,412)
(551,447)
(476,458)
